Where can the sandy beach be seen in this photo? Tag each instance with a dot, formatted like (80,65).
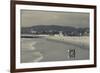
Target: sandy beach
(53,49)
(75,40)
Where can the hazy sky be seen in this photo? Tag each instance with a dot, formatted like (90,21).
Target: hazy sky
(31,18)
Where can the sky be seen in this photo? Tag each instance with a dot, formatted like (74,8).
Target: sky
(32,17)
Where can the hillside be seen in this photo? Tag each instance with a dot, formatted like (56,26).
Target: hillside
(53,29)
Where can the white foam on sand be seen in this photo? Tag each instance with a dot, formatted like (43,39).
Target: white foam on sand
(32,45)
(28,45)
(33,56)
(39,58)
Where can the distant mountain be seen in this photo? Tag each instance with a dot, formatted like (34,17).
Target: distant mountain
(52,29)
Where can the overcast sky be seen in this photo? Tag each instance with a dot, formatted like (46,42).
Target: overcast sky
(31,18)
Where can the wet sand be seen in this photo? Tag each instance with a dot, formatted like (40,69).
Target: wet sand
(45,50)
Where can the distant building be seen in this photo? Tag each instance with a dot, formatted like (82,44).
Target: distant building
(32,31)
(86,34)
(60,33)
(80,34)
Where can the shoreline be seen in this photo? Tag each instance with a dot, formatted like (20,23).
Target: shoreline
(84,40)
